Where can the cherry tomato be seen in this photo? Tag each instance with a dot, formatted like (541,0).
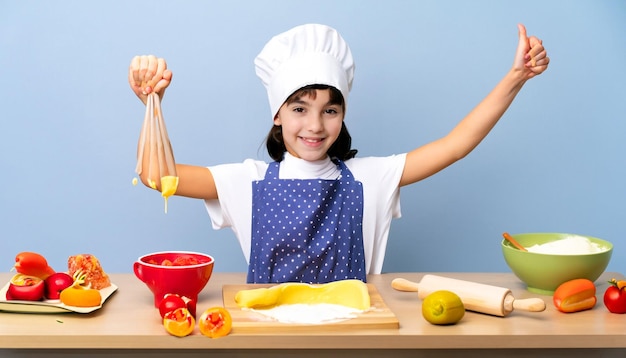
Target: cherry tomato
(215,322)
(615,297)
(179,322)
(24,287)
(171,302)
(32,264)
(575,295)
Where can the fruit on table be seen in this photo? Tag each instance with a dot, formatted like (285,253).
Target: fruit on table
(215,322)
(56,283)
(172,301)
(443,308)
(32,264)
(179,322)
(575,295)
(24,287)
(351,293)
(615,297)
(80,296)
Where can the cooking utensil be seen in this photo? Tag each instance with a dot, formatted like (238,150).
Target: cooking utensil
(476,297)
(246,321)
(510,239)
(543,273)
(185,280)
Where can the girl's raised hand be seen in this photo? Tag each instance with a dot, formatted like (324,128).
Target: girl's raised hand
(530,57)
(148,74)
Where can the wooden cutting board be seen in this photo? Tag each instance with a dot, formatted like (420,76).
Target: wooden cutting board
(247,321)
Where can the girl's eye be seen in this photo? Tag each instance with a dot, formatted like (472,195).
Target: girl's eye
(331,111)
(298,109)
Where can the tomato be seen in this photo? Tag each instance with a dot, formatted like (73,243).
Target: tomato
(24,287)
(171,302)
(191,305)
(179,322)
(215,322)
(575,295)
(443,307)
(32,264)
(615,297)
(185,261)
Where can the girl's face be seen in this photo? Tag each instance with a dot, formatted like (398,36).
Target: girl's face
(310,125)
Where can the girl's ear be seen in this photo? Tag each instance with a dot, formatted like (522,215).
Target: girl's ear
(277,121)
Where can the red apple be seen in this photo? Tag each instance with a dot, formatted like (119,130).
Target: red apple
(56,283)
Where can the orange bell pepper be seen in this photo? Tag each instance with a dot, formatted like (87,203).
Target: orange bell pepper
(215,322)
(179,322)
(575,295)
(32,264)
(80,296)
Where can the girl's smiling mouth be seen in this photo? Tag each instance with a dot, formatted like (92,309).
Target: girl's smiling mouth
(311,141)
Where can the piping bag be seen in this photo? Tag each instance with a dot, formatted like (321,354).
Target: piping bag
(154,143)
(477,297)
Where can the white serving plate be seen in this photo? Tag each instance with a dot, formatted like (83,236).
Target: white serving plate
(48,306)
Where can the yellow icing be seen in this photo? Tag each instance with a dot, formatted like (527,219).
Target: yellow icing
(169,184)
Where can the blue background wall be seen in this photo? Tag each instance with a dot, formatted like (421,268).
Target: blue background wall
(69,122)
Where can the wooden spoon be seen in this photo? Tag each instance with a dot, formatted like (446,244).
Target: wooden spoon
(510,239)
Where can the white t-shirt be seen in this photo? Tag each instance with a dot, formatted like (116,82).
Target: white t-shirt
(381,196)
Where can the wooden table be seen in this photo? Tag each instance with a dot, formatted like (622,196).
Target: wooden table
(129,325)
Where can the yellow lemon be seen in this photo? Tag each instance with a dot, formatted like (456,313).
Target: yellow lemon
(443,307)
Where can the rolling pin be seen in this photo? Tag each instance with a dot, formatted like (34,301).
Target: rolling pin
(476,297)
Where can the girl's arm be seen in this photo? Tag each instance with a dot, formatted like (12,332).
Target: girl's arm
(530,60)
(149,74)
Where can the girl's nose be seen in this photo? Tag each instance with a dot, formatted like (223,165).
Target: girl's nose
(315,123)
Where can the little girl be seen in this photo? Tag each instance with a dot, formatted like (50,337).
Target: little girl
(317,213)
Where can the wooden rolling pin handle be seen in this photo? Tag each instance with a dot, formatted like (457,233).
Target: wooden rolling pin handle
(527,304)
(405,285)
(530,304)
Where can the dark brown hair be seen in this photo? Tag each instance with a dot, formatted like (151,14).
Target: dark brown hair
(339,150)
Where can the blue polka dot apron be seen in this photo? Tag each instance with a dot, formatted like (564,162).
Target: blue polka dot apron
(306,230)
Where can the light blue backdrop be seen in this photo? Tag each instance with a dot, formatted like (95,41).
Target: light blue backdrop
(69,122)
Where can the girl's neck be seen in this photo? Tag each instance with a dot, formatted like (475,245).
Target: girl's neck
(296,168)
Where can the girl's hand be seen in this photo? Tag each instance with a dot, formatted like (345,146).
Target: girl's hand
(148,74)
(531,57)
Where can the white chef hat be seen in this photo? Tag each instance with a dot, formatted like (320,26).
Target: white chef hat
(305,55)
